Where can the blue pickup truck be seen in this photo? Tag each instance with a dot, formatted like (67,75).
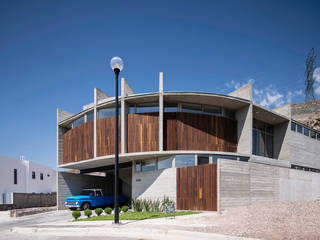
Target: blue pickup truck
(92,198)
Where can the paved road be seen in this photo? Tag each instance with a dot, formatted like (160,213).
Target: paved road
(50,217)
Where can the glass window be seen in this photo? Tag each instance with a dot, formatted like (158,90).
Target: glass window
(318,136)
(171,107)
(299,128)
(191,108)
(262,139)
(15,176)
(313,134)
(98,193)
(41,176)
(87,193)
(212,110)
(147,107)
(90,116)
(147,165)
(78,122)
(243,159)
(203,159)
(164,163)
(107,112)
(184,160)
(33,175)
(138,166)
(306,131)
(293,126)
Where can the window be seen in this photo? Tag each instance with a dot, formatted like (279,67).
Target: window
(171,107)
(87,193)
(147,165)
(78,122)
(41,176)
(107,112)
(318,136)
(313,134)
(203,159)
(98,193)
(33,175)
(293,126)
(15,176)
(243,159)
(48,175)
(191,108)
(164,163)
(262,139)
(90,116)
(138,166)
(147,107)
(212,110)
(306,131)
(299,128)
(184,160)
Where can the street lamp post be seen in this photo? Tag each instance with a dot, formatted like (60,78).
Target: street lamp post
(116,64)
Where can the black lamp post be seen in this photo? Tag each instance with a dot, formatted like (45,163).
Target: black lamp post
(116,65)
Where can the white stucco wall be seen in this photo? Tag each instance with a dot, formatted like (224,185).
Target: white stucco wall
(25,183)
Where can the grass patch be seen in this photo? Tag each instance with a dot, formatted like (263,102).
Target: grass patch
(136,216)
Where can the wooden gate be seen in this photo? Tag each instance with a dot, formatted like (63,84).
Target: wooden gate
(197,187)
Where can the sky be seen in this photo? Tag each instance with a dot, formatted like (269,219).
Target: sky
(54,53)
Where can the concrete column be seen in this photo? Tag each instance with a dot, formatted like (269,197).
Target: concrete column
(161,111)
(61,115)
(196,159)
(95,123)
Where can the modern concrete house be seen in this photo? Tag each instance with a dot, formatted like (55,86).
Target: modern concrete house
(205,151)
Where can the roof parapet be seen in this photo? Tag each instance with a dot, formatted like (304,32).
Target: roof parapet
(243,92)
(63,115)
(99,96)
(284,110)
(125,88)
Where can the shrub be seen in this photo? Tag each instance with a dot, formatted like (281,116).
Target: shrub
(166,202)
(125,209)
(88,212)
(137,205)
(108,210)
(98,211)
(155,206)
(76,214)
(146,205)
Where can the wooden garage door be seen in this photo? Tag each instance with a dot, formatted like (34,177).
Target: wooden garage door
(197,187)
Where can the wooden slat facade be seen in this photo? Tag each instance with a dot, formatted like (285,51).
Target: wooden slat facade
(190,131)
(197,187)
(106,136)
(78,143)
(143,132)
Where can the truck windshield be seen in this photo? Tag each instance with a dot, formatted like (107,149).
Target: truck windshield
(87,192)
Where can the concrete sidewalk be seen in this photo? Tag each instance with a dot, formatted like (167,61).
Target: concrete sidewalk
(182,227)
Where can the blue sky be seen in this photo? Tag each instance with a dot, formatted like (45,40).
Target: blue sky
(53,53)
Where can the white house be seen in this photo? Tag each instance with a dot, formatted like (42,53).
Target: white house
(21,176)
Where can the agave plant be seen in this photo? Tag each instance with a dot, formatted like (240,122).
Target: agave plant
(155,206)
(147,205)
(137,205)
(165,203)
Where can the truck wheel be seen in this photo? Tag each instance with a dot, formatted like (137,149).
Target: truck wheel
(85,206)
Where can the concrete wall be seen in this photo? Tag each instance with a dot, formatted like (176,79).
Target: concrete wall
(154,184)
(70,184)
(47,185)
(245,183)
(304,151)
(281,141)
(244,128)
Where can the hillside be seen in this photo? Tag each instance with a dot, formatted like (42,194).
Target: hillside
(307,113)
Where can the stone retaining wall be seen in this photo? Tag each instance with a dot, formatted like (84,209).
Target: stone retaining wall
(28,200)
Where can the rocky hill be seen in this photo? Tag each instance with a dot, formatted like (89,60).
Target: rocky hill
(307,113)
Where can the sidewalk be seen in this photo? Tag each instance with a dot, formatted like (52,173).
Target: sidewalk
(183,227)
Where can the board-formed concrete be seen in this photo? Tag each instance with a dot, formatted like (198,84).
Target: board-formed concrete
(245,183)
(154,184)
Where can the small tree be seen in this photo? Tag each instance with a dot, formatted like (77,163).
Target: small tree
(88,212)
(76,214)
(98,211)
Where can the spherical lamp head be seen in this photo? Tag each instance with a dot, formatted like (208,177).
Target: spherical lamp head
(116,63)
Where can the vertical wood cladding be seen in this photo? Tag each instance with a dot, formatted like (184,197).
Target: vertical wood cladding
(78,143)
(190,131)
(143,132)
(197,188)
(106,136)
